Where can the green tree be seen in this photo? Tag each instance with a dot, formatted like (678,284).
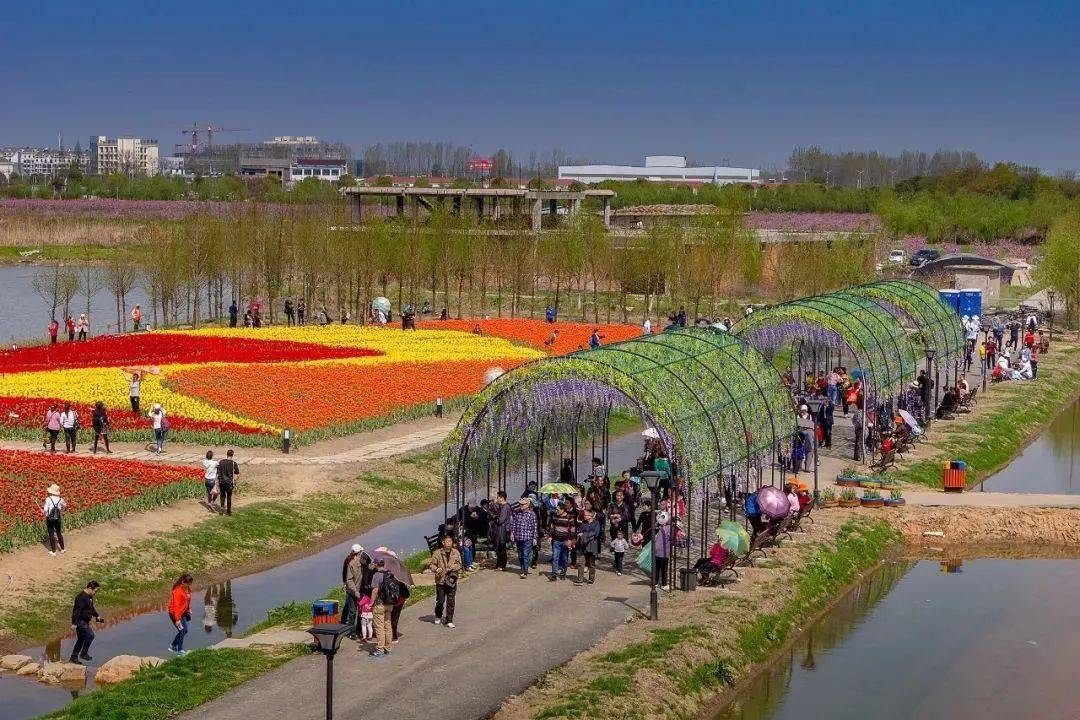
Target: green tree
(1059,268)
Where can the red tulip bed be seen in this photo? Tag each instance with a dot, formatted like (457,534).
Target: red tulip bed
(95,488)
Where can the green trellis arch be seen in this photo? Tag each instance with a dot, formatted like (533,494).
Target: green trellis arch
(841,319)
(920,307)
(715,401)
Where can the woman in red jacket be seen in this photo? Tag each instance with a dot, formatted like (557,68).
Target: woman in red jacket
(180,612)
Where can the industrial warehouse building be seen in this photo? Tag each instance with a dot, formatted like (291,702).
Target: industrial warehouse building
(669,168)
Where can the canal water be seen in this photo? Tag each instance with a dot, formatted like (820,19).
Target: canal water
(228,609)
(979,639)
(1051,464)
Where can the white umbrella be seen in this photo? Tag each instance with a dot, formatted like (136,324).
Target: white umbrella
(651,433)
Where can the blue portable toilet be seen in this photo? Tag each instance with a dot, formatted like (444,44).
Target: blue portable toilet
(951,298)
(971,302)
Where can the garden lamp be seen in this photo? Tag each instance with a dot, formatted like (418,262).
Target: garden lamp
(328,637)
(652,478)
(815,403)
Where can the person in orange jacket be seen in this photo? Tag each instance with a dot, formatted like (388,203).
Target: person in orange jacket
(180,612)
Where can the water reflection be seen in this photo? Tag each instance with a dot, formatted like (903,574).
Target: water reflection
(219,609)
(923,640)
(1051,464)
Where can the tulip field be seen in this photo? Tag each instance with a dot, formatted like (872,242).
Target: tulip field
(95,489)
(244,386)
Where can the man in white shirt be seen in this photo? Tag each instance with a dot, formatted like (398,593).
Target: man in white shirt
(646,327)
(69,422)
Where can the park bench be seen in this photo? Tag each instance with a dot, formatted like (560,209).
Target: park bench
(709,574)
(804,514)
(967,401)
(886,460)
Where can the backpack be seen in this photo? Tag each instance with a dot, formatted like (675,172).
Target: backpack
(751,506)
(389,589)
(54,512)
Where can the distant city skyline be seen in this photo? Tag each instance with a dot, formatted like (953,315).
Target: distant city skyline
(608,81)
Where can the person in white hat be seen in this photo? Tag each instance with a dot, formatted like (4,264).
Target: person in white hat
(356,576)
(53,510)
(82,327)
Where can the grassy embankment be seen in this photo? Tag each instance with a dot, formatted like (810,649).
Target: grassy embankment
(688,663)
(256,535)
(1007,417)
(180,684)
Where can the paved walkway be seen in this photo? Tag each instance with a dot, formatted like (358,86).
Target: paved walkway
(366,449)
(509,633)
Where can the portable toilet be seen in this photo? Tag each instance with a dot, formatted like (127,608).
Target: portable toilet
(951,298)
(971,302)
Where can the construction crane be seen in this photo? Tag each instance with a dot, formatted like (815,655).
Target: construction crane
(208,132)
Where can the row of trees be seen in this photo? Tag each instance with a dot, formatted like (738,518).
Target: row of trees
(875,169)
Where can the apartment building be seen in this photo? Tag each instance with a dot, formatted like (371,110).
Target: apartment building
(128,155)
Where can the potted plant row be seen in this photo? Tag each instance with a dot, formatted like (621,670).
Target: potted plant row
(827,498)
(849,477)
(895,499)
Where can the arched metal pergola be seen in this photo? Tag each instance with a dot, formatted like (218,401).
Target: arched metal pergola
(717,405)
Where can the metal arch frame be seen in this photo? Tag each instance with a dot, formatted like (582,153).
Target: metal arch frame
(892,327)
(939,311)
(811,302)
(896,297)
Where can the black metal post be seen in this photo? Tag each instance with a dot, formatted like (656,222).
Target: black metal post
(330,686)
(936,389)
(654,601)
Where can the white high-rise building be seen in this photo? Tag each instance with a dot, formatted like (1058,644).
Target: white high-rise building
(127,155)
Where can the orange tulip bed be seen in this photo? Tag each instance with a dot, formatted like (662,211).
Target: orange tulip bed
(244,386)
(96,489)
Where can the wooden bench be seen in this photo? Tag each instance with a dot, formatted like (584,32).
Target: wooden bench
(886,460)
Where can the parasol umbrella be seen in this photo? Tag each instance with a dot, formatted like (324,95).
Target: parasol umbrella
(558,489)
(650,433)
(773,502)
(381,303)
(393,564)
(151,370)
(733,537)
(909,419)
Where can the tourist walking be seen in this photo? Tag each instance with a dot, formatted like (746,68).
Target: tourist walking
(301,311)
(662,550)
(228,472)
(356,576)
(70,325)
(619,546)
(589,536)
(523,534)
(500,529)
(135,390)
(446,564)
(234,312)
(210,473)
(646,327)
(136,317)
(290,313)
(620,515)
(857,423)
(52,510)
(383,595)
(180,612)
(54,330)
(159,425)
(561,531)
(69,421)
(52,426)
(83,613)
(83,327)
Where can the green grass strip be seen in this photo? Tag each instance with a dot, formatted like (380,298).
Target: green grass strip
(988,442)
(179,685)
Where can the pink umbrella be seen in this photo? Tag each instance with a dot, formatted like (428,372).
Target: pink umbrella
(773,502)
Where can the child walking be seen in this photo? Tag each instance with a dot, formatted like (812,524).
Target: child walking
(366,618)
(619,546)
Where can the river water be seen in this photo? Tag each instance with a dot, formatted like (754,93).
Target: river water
(975,640)
(229,608)
(1051,464)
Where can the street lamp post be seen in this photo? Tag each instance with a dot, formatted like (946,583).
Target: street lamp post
(930,353)
(328,637)
(652,481)
(815,404)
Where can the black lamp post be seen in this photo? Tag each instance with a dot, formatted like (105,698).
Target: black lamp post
(328,637)
(1051,294)
(815,403)
(652,481)
(930,353)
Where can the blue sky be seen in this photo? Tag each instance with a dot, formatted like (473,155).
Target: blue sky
(610,81)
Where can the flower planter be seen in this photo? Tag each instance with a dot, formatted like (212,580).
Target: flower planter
(827,503)
(847,481)
(849,503)
(889,502)
(872,502)
(869,484)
